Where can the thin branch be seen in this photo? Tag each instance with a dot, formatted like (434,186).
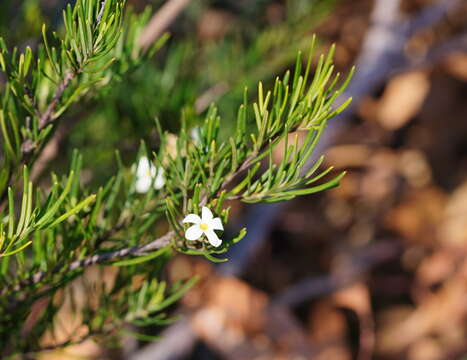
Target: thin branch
(137,250)
(46,118)
(439,52)
(431,15)
(347,273)
(161,21)
(178,341)
(101,12)
(210,95)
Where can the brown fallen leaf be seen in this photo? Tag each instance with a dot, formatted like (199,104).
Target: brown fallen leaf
(413,165)
(357,299)
(453,231)
(425,349)
(418,216)
(328,330)
(456,65)
(440,313)
(231,310)
(402,99)
(348,156)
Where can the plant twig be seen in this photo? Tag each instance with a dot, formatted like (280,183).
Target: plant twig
(101,12)
(46,118)
(137,250)
(161,20)
(346,274)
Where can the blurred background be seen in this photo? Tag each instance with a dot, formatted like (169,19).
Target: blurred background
(374,269)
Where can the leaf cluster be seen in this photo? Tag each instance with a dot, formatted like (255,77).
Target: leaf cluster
(97,44)
(50,242)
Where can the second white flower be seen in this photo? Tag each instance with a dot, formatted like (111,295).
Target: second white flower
(147,174)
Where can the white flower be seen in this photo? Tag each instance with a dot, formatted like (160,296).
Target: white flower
(146,174)
(206,224)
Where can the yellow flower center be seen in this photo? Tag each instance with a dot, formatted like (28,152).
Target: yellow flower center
(203,227)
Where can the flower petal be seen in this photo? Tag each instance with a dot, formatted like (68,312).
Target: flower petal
(193,232)
(159,181)
(143,166)
(143,184)
(216,224)
(192,218)
(206,214)
(213,238)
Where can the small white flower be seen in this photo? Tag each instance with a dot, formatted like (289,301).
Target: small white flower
(146,174)
(206,224)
